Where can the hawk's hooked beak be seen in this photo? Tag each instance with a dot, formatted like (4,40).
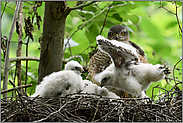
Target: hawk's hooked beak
(117,37)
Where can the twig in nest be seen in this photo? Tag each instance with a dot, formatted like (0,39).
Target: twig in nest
(21,99)
(95,111)
(55,111)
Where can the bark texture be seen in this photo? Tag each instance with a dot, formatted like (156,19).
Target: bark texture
(53,38)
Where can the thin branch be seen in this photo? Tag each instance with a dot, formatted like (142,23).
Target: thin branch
(7,62)
(166,9)
(27,46)
(174,70)
(15,88)
(106,18)
(167,77)
(4,8)
(176,14)
(18,63)
(24,58)
(81,6)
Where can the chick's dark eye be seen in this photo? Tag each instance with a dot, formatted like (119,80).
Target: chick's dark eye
(112,34)
(122,33)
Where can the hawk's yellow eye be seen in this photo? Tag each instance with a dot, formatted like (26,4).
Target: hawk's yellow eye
(112,34)
(122,33)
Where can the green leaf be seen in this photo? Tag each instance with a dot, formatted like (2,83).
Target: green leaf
(134,18)
(124,7)
(31,90)
(142,3)
(131,28)
(171,24)
(117,16)
(86,15)
(92,32)
(68,28)
(109,24)
(71,3)
(90,8)
(118,2)
(179,3)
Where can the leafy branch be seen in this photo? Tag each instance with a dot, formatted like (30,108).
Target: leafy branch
(82,5)
(84,25)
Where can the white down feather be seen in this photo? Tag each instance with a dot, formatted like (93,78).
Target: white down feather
(61,83)
(133,78)
(94,89)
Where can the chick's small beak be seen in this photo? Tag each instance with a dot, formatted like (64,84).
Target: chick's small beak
(81,70)
(101,85)
(103,82)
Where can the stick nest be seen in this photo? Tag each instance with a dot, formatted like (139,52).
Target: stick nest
(94,108)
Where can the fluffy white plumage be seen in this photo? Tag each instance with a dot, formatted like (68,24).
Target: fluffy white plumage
(61,83)
(94,89)
(127,75)
(74,66)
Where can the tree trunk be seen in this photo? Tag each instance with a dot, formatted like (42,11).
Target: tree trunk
(53,38)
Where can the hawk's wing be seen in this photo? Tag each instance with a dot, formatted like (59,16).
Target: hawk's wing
(138,48)
(120,52)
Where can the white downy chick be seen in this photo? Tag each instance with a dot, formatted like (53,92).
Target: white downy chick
(106,93)
(94,89)
(74,66)
(61,83)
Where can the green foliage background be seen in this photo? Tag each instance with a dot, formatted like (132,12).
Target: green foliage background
(153,28)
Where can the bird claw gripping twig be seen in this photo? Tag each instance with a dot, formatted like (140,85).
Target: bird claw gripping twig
(166,69)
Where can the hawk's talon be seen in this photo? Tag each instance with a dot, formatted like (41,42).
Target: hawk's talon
(125,95)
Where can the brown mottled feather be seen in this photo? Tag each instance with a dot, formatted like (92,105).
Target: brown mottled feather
(100,60)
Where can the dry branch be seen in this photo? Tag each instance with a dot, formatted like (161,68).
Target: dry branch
(12,89)
(7,62)
(24,58)
(18,63)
